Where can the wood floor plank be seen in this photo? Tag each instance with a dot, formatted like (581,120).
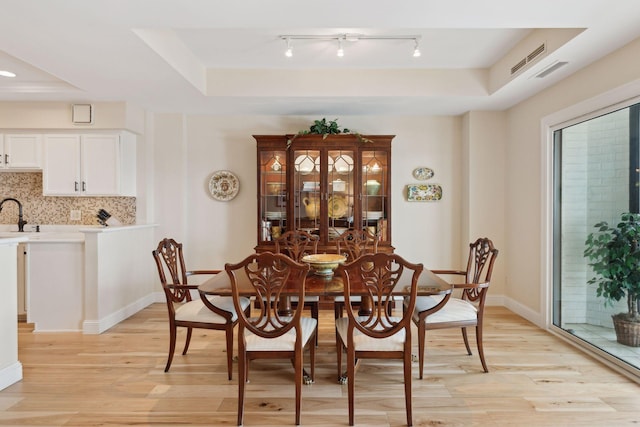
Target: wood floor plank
(117,379)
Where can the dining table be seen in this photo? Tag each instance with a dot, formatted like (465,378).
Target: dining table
(319,285)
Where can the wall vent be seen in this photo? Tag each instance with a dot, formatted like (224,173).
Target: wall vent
(530,57)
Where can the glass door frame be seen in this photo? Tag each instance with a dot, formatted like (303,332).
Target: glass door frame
(604,104)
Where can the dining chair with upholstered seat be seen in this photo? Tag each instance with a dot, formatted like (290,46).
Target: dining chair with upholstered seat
(213,312)
(296,244)
(459,312)
(378,335)
(352,244)
(268,335)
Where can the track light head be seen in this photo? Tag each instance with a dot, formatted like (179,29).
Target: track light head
(289,52)
(416,49)
(340,49)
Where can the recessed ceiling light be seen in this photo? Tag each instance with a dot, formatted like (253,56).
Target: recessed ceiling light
(4,73)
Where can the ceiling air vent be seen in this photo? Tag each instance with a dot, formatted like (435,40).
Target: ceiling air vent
(518,66)
(550,69)
(533,55)
(530,57)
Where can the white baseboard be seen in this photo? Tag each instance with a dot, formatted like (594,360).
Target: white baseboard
(94,327)
(523,311)
(10,375)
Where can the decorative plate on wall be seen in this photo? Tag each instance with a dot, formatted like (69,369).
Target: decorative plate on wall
(224,185)
(424,192)
(423,173)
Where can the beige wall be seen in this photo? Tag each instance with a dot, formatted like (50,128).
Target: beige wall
(483,176)
(526,240)
(188,150)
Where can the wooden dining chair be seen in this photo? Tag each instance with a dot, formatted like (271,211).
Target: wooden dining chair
(269,335)
(352,244)
(212,312)
(459,312)
(378,335)
(296,244)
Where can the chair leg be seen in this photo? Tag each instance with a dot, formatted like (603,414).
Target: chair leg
(242,380)
(407,384)
(339,355)
(315,312)
(312,354)
(422,338)
(229,335)
(186,344)
(351,373)
(338,309)
(466,341)
(298,374)
(480,346)
(172,346)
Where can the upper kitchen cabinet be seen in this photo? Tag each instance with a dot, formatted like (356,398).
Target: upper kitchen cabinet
(325,186)
(20,152)
(89,165)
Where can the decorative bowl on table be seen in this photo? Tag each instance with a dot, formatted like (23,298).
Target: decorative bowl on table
(324,264)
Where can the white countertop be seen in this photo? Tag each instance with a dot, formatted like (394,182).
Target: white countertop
(60,233)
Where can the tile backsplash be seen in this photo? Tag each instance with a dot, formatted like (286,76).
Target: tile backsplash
(39,209)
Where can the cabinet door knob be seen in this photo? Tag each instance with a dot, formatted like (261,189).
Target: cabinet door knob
(6,158)
(75,185)
(84,186)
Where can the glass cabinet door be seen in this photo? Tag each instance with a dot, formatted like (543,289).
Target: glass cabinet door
(307,196)
(375,193)
(340,192)
(273,195)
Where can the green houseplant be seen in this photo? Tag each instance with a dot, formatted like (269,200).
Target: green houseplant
(614,256)
(325,128)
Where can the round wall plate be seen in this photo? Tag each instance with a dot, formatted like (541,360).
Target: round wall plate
(423,173)
(224,185)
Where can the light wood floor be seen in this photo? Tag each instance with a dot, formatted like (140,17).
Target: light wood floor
(117,378)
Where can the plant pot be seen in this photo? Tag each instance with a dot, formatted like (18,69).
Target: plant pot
(627,333)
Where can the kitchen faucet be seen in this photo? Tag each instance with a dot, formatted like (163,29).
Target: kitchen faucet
(21,222)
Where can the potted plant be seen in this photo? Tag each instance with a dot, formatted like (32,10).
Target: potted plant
(325,128)
(614,256)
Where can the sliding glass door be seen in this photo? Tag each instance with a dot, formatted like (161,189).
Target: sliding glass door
(596,172)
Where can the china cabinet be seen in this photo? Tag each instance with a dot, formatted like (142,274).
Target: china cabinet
(324,185)
(89,165)
(20,152)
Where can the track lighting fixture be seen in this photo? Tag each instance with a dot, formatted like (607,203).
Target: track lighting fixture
(288,53)
(340,49)
(342,38)
(416,49)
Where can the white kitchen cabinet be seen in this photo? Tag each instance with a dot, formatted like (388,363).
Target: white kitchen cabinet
(20,152)
(89,165)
